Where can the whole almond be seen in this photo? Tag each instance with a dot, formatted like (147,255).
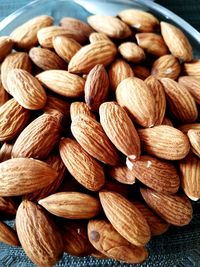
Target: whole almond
(3,94)
(122,174)
(8,207)
(91,136)
(65,47)
(140,20)
(148,171)
(181,102)
(176,41)
(39,138)
(98,36)
(131,52)
(194,137)
(78,108)
(71,205)
(5,151)
(96,87)
(192,84)
(26,89)
(55,103)
(25,36)
(108,241)
(175,209)
(159,95)
(152,43)
(102,52)
(46,59)
(189,173)
(8,235)
(120,129)
(192,69)
(166,66)
(81,165)
(157,225)
(141,72)
(111,26)
(186,127)
(13,118)
(14,173)
(164,142)
(38,235)
(6,44)
(134,95)
(126,219)
(119,70)
(62,82)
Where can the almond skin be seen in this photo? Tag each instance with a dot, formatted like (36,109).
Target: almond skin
(6,44)
(141,72)
(131,52)
(140,20)
(122,174)
(8,235)
(98,36)
(181,102)
(13,118)
(38,235)
(39,138)
(175,209)
(159,95)
(157,174)
(166,66)
(8,207)
(81,165)
(14,173)
(3,94)
(6,151)
(194,137)
(78,108)
(62,82)
(133,95)
(164,142)
(71,205)
(119,70)
(126,219)
(192,69)
(26,89)
(108,241)
(25,36)
(120,129)
(111,26)
(96,87)
(55,103)
(102,52)
(186,127)
(91,136)
(118,187)
(192,84)
(176,41)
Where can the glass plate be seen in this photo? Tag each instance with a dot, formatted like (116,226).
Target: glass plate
(179,247)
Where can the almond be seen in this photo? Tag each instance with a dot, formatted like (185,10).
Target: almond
(108,241)
(115,186)
(26,89)
(25,36)
(65,47)
(6,44)
(13,118)
(3,94)
(194,137)
(166,66)
(141,72)
(167,121)
(102,52)
(140,20)
(181,102)
(91,136)
(131,52)
(38,235)
(81,165)
(134,95)
(192,84)
(111,26)
(186,127)
(46,59)
(189,172)
(157,225)
(98,36)
(164,142)
(157,174)
(62,82)
(176,41)
(8,235)
(78,108)
(192,68)
(96,87)
(8,207)
(126,219)
(55,103)
(71,205)
(120,129)
(152,43)
(119,70)
(5,151)
(122,174)
(175,209)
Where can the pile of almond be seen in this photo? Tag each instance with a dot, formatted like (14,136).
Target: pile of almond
(100,135)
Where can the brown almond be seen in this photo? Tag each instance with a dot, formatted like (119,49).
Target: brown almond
(6,44)
(3,94)
(98,36)
(5,151)
(8,207)
(122,174)
(192,84)
(71,205)
(167,121)
(131,52)
(8,235)
(186,127)
(55,103)
(192,69)
(78,108)
(91,136)
(141,72)
(116,186)
(194,137)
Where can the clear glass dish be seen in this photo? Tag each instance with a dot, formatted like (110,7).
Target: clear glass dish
(179,246)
